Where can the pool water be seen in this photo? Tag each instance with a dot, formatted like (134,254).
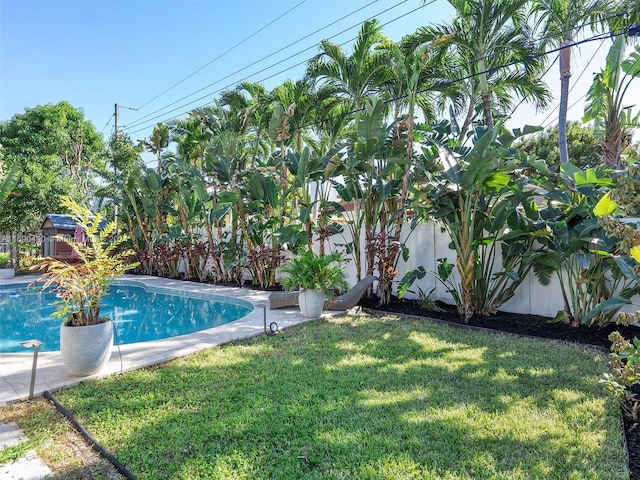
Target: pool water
(139,315)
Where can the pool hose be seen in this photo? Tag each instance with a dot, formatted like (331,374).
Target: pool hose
(92,442)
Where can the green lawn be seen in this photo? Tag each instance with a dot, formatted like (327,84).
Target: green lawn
(362,398)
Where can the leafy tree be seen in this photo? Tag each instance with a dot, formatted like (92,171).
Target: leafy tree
(489,214)
(60,153)
(584,146)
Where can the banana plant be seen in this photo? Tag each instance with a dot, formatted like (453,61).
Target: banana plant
(613,120)
(488,212)
(307,174)
(365,184)
(578,250)
(625,256)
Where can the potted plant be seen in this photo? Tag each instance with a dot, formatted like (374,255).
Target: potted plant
(80,284)
(6,271)
(316,277)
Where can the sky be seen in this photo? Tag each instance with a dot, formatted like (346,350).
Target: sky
(157,59)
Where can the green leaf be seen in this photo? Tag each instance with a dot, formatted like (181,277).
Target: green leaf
(605,206)
(228,197)
(218,212)
(608,306)
(303,167)
(153,181)
(409,277)
(10,181)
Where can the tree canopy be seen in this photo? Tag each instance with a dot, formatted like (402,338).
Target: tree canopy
(60,153)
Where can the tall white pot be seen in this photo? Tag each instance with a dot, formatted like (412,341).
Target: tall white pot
(6,273)
(311,303)
(86,349)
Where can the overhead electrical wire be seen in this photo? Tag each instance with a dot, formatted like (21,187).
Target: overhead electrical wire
(141,121)
(466,77)
(489,70)
(574,84)
(144,118)
(222,54)
(107,124)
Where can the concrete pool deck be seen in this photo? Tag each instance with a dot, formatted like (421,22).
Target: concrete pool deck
(15,368)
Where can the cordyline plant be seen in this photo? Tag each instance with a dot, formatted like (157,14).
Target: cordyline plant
(82,284)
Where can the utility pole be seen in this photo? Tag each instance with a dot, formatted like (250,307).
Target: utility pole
(116,115)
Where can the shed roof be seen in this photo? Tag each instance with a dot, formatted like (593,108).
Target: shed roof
(60,222)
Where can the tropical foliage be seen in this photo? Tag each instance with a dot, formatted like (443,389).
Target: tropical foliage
(373,140)
(81,284)
(309,271)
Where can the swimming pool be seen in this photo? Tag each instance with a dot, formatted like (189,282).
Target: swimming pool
(139,313)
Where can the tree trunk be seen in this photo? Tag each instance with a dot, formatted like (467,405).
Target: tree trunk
(467,120)
(486,104)
(565,75)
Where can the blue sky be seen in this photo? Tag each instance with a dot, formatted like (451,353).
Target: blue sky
(95,53)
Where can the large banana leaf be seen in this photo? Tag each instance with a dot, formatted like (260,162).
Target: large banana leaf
(10,181)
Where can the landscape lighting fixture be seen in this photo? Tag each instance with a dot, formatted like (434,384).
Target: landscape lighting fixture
(35,344)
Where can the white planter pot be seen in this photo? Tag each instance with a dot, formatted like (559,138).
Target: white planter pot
(311,303)
(6,273)
(86,349)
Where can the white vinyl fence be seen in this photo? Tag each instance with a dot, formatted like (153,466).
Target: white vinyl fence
(427,243)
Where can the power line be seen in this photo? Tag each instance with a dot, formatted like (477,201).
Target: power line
(466,77)
(222,54)
(144,118)
(489,70)
(106,124)
(574,84)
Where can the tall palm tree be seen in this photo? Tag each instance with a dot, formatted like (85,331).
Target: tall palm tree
(493,50)
(560,22)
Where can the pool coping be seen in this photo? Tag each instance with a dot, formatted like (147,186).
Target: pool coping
(15,368)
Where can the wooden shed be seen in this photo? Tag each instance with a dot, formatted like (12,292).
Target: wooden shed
(55,224)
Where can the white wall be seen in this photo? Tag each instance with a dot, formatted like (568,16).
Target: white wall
(427,243)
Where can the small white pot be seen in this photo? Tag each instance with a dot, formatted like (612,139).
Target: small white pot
(86,349)
(311,303)
(6,273)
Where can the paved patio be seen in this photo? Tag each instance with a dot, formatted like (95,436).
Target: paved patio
(15,368)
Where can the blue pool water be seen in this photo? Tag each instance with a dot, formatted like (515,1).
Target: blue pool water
(139,315)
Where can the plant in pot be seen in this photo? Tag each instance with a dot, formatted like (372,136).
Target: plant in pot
(317,277)
(6,271)
(85,336)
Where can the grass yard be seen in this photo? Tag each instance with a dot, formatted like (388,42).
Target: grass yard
(359,397)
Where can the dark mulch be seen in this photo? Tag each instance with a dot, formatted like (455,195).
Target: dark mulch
(530,326)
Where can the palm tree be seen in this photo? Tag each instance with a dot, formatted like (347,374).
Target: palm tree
(484,38)
(356,76)
(559,23)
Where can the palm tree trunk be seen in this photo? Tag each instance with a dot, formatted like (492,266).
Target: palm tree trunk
(486,104)
(467,120)
(565,75)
